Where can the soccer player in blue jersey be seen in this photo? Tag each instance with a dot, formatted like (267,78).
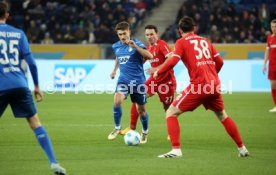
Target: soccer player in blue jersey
(130,54)
(14,89)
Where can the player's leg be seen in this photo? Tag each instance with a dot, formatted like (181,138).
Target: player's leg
(45,143)
(186,101)
(232,129)
(173,129)
(133,119)
(133,111)
(117,114)
(166,99)
(215,103)
(144,118)
(22,105)
(273,93)
(140,98)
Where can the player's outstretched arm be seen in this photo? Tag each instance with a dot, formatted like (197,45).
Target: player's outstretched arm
(145,53)
(169,64)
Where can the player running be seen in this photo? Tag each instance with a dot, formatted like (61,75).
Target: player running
(130,55)
(203,63)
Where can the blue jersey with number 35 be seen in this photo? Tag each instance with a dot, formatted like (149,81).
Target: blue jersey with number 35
(14,47)
(130,62)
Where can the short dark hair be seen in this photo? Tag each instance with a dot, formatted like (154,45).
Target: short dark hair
(122,26)
(4,8)
(186,24)
(150,26)
(273,21)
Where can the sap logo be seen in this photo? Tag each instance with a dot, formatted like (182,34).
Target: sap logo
(155,60)
(67,75)
(123,60)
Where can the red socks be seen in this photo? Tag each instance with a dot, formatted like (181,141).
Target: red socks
(274,96)
(174,131)
(232,130)
(133,116)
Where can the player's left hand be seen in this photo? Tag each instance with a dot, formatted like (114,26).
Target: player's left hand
(264,69)
(150,70)
(39,96)
(132,44)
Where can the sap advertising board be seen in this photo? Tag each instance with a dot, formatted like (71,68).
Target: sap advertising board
(93,76)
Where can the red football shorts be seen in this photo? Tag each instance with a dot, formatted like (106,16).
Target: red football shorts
(271,74)
(193,96)
(165,90)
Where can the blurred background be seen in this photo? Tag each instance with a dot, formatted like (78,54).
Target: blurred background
(66,30)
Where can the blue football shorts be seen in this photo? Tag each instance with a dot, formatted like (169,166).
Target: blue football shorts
(137,93)
(20,100)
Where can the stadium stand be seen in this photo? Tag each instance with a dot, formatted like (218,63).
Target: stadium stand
(227,21)
(76,21)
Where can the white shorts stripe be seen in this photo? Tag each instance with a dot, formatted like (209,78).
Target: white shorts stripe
(182,98)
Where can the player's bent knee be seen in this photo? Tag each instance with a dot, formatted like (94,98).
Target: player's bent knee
(34,121)
(118,99)
(172,111)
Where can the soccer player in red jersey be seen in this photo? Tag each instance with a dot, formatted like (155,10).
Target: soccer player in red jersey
(270,54)
(203,63)
(164,85)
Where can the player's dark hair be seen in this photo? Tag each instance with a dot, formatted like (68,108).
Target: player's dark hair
(186,24)
(150,26)
(122,26)
(4,8)
(273,21)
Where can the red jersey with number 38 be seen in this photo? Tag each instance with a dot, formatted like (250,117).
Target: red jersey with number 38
(198,55)
(160,50)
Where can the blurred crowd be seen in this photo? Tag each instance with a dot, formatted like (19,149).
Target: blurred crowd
(227,21)
(76,21)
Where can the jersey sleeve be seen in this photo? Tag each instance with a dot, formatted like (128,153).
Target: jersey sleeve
(140,44)
(165,49)
(267,42)
(216,57)
(178,51)
(28,56)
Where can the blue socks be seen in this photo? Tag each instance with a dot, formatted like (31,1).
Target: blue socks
(145,122)
(45,143)
(117,114)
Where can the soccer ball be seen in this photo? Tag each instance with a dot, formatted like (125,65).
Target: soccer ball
(132,138)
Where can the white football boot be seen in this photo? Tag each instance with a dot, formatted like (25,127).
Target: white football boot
(174,153)
(273,109)
(144,137)
(57,169)
(113,134)
(243,152)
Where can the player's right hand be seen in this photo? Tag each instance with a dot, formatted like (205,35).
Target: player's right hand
(39,96)
(112,75)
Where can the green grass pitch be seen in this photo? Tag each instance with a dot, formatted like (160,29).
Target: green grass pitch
(78,125)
